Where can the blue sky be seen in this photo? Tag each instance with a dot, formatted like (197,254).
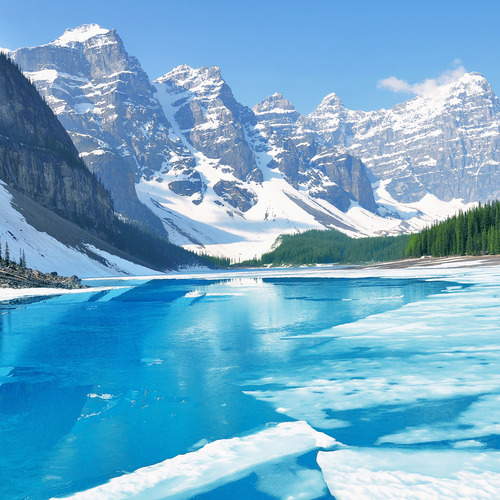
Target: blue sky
(303,49)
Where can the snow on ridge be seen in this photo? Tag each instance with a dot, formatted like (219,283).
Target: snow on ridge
(184,73)
(330,100)
(80,34)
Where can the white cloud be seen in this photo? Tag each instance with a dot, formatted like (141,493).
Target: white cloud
(430,87)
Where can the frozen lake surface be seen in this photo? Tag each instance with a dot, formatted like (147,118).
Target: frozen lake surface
(300,384)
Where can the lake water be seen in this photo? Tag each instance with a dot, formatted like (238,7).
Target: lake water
(98,385)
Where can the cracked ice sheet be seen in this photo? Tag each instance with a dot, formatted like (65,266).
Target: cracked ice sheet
(363,473)
(437,349)
(481,418)
(216,463)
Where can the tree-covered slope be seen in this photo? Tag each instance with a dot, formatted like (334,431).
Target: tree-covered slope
(474,232)
(324,247)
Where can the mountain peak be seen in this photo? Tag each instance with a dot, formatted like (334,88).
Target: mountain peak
(80,34)
(330,103)
(188,76)
(274,103)
(473,79)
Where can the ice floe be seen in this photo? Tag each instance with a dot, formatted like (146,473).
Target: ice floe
(363,473)
(217,462)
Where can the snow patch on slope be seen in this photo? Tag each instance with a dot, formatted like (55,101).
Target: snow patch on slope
(46,254)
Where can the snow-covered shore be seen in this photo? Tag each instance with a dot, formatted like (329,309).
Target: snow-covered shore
(11,294)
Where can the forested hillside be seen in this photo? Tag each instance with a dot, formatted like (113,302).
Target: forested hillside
(325,247)
(474,232)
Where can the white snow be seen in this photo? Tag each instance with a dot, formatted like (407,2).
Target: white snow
(45,75)
(80,34)
(218,462)
(422,213)
(7,294)
(46,254)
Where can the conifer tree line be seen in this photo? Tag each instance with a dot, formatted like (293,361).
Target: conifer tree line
(7,260)
(474,232)
(331,246)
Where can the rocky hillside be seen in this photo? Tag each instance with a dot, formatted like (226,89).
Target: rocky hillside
(446,144)
(39,164)
(38,159)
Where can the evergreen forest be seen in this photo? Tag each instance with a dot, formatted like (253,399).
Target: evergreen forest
(474,232)
(325,247)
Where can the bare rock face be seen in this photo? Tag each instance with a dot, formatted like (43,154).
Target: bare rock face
(106,103)
(38,159)
(306,160)
(446,144)
(210,118)
(235,194)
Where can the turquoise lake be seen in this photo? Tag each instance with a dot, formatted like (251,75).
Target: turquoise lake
(96,385)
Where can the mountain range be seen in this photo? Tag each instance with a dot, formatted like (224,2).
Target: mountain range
(182,158)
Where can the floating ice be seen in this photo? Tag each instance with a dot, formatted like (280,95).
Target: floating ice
(289,481)
(216,463)
(431,351)
(152,361)
(100,396)
(479,419)
(194,294)
(386,473)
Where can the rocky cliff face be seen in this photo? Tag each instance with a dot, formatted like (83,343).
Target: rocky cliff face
(447,144)
(106,103)
(38,159)
(307,161)
(63,205)
(210,118)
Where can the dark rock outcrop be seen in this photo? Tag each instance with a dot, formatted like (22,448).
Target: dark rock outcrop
(13,276)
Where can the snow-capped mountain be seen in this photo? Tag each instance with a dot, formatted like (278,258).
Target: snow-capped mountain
(325,172)
(52,209)
(106,103)
(446,144)
(226,179)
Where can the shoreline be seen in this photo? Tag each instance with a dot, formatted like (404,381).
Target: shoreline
(15,296)
(459,260)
